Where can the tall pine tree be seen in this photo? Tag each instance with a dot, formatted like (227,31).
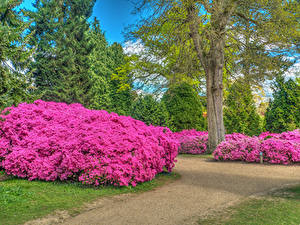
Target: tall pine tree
(63,47)
(100,70)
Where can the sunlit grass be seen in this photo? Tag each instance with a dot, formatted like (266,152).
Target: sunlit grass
(281,207)
(22,200)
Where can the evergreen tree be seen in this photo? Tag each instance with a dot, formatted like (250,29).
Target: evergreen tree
(15,80)
(62,59)
(121,99)
(150,111)
(184,106)
(283,113)
(240,115)
(100,70)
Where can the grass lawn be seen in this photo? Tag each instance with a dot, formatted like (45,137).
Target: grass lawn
(22,200)
(203,156)
(278,208)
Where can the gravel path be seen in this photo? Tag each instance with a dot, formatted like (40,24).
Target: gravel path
(205,186)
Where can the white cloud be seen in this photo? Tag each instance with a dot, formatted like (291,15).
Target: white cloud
(293,72)
(131,48)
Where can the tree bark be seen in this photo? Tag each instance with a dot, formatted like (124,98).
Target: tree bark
(213,64)
(214,93)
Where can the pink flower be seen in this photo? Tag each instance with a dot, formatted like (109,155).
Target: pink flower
(50,141)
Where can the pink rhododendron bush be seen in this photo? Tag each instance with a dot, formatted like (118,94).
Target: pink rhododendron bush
(191,141)
(196,142)
(50,141)
(281,148)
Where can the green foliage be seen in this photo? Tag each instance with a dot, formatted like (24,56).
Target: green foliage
(184,106)
(121,98)
(100,91)
(63,46)
(76,67)
(15,81)
(283,113)
(240,113)
(151,111)
(166,36)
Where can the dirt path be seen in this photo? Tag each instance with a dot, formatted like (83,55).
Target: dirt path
(205,186)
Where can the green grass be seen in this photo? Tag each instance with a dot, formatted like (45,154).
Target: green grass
(204,156)
(22,200)
(279,208)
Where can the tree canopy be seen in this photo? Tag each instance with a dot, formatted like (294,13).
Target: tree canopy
(216,32)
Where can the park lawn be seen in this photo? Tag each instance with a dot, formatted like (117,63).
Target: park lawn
(22,200)
(202,156)
(278,208)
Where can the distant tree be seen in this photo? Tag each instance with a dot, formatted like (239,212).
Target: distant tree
(15,80)
(104,92)
(184,106)
(121,99)
(240,114)
(100,70)
(150,111)
(63,47)
(283,113)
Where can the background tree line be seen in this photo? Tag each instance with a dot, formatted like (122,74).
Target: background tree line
(54,53)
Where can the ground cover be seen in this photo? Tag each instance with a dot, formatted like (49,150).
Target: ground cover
(277,208)
(22,200)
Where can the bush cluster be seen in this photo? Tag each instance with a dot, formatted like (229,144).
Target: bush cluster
(277,148)
(281,148)
(50,141)
(191,141)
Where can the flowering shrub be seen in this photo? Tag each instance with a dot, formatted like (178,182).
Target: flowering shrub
(192,141)
(196,142)
(281,148)
(50,141)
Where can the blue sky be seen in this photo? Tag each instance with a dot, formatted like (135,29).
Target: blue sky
(114,16)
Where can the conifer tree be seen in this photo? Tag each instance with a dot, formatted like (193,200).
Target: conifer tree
(150,111)
(121,99)
(100,70)
(15,80)
(61,66)
(283,113)
(240,114)
(184,106)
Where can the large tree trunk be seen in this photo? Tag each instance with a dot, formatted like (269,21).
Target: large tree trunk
(213,64)
(214,93)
